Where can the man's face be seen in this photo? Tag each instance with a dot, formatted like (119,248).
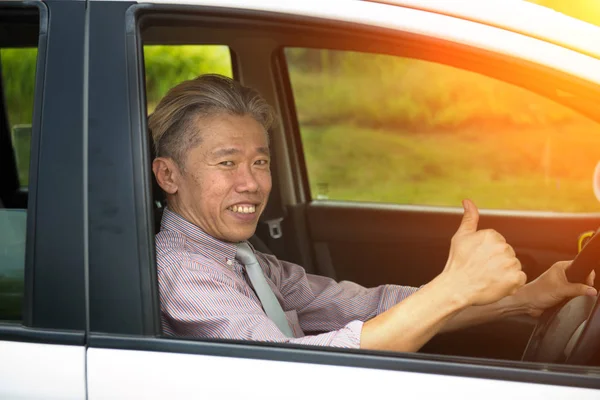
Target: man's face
(226,180)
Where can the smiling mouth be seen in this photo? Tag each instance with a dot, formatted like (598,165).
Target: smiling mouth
(249,209)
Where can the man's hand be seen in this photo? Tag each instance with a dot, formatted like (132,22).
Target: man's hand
(552,287)
(481,269)
(481,266)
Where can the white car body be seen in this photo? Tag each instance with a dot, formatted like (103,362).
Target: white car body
(513,28)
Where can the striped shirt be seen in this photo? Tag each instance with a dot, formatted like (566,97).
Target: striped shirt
(205,293)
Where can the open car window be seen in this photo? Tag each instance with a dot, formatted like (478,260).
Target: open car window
(17,74)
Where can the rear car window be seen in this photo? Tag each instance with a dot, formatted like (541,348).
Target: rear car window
(388,129)
(18,74)
(168,65)
(18,69)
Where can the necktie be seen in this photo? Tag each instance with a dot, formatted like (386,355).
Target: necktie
(271,305)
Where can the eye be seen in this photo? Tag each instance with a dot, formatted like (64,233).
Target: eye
(226,163)
(262,162)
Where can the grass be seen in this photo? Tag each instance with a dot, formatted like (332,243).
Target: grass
(389,129)
(498,170)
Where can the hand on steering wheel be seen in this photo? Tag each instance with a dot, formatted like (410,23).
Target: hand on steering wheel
(569,332)
(553,287)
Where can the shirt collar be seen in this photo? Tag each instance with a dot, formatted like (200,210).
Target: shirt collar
(217,249)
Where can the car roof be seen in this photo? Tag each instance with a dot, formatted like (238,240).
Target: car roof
(518,16)
(512,27)
(436,25)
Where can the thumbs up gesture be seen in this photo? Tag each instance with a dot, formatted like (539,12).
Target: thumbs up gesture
(481,265)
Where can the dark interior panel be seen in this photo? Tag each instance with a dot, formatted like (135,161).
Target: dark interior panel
(386,244)
(376,244)
(503,339)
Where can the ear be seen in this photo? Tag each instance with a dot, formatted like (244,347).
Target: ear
(167,174)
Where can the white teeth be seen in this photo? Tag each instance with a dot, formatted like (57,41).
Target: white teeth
(243,209)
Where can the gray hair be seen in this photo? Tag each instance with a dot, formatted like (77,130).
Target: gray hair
(173,123)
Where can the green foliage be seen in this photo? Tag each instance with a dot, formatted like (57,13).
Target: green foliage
(370,90)
(499,170)
(383,128)
(18,73)
(167,66)
(390,129)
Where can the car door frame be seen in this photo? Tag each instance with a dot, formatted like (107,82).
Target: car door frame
(52,331)
(124,312)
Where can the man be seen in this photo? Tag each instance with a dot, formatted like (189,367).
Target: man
(212,146)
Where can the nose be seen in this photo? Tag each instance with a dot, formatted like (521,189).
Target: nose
(246,181)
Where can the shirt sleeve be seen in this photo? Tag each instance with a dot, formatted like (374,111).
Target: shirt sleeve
(198,302)
(325,305)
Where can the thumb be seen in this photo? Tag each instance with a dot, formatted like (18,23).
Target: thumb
(580,289)
(470,218)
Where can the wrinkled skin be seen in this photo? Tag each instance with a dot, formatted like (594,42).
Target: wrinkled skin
(225,181)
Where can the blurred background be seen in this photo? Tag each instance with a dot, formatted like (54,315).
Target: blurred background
(430,134)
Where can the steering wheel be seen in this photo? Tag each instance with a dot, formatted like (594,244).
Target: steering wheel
(570,331)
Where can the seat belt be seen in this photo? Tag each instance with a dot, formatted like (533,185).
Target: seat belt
(273,216)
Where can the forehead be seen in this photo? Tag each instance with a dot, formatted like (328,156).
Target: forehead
(230,131)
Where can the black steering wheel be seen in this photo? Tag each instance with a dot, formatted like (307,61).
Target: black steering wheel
(570,331)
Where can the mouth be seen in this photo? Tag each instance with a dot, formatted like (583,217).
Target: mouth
(245,208)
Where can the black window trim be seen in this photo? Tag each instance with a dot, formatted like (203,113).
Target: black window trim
(24,8)
(53,310)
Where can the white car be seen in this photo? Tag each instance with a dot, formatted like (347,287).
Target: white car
(389,115)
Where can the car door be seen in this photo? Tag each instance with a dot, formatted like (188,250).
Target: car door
(42,301)
(391,132)
(128,355)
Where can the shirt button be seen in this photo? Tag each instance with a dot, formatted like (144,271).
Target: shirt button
(229,261)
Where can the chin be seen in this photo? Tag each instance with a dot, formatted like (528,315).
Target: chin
(240,235)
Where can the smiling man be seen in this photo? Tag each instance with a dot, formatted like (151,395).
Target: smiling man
(211,139)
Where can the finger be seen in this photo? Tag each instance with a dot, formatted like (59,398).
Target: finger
(522,278)
(591,278)
(509,249)
(470,218)
(494,235)
(520,281)
(505,248)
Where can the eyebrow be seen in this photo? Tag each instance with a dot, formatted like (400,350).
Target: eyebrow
(264,150)
(231,151)
(225,152)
